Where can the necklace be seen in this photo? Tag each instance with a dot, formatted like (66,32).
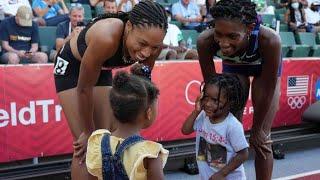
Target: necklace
(126,60)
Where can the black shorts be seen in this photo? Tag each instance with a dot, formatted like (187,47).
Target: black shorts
(66,71)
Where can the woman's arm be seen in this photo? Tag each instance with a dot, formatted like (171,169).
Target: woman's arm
(263,87)
(304,20)
(263,90)
(206,52)
(286,16)
(99,48)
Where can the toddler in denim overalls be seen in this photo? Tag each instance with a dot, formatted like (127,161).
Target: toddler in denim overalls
(124,154)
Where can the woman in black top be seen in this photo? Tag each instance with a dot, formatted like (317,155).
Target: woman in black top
(83,68)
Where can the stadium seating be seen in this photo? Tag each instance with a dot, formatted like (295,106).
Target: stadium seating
(177,23)
(281,18)
(280,11)
(290,48)
(267,19)
(190,33)
(284,27)
(47,38)
(309,40)
(172,1)
(318,38)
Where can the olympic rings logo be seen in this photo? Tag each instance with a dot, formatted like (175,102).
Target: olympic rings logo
(186,92)
(296,102)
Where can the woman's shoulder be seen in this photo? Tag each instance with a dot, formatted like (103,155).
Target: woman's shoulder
(112,27)
(206,37)
(268,37)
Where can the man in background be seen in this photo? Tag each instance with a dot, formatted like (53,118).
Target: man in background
(20,37)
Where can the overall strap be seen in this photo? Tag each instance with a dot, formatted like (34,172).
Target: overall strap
(108,169)
(127,143)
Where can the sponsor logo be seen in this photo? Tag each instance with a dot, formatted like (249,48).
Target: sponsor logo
(28,115)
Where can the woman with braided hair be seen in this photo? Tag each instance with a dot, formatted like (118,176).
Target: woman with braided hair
(247,49)
(82,69)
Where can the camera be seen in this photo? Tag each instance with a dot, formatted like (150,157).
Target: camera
(81,23)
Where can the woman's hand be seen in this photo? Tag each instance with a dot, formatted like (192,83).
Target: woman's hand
(259,140)
(80,147)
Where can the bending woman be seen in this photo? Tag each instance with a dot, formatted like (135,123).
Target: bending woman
(247,49)
(83,67)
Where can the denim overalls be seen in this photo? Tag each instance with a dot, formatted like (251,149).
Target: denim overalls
(112,166)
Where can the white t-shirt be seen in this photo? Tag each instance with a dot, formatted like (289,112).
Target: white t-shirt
(11,6)
(217,143)
(173,35)
(312,17)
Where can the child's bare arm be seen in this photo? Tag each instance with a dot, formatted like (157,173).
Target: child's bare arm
(187,127)
(234,163)
(154,168)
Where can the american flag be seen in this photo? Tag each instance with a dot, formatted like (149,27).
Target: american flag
(297,85)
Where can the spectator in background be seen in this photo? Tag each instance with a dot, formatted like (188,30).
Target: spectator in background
(313,16)
(10,7)
(296,17)
(50,11)
(126,5)
(304,3)
(174,45)
(110,6)
(20,39)
(69,28)
(105,6)
(207,15)
(187,13)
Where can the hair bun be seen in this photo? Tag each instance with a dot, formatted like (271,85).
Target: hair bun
(120,79)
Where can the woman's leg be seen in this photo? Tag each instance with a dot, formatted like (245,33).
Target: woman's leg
(69,105)
(263,166)
(102,116)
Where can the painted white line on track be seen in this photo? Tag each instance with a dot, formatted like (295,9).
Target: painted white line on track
(299,175)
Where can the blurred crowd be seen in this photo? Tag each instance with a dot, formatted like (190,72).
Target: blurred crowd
(21,20)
